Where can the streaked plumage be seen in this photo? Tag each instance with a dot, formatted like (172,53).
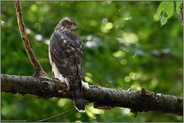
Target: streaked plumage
(66,54)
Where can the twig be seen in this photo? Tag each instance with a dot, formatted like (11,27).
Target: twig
(39,72)
(55,115)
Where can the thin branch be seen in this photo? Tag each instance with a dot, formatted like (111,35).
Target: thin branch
(102,97)
(55,116)
(27,45)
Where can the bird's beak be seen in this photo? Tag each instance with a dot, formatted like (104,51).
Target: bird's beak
(74,27)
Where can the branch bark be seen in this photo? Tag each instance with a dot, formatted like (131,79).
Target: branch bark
(102,97)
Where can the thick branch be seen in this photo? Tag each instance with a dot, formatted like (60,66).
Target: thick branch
(102,97)
(27,45)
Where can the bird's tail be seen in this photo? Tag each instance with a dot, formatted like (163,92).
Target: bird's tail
(77,93)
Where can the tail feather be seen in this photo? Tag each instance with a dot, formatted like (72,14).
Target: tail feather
(79,104)
(77,93)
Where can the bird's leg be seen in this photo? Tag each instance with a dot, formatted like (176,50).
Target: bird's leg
(67,83)
(85,85)
(65,80)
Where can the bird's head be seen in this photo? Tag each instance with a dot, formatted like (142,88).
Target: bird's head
(66,23)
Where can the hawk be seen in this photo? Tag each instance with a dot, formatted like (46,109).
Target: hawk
(66,54)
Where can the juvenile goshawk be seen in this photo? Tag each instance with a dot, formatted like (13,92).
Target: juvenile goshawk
(66,54)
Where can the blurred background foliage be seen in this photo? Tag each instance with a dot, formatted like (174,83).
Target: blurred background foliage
(125,47)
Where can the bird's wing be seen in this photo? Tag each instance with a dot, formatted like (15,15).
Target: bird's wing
(66,52)
(66,55)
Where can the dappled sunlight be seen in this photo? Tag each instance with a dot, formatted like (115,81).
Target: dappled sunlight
(118,54)
(93,23)
(28,31)
(156,17)
(88,77)
(126,111)
(123,62)
(91,44)
(78,115)
(126,16)
(38,37)
(91,111)
(154,83)
(105,20)
(34,8)
(47,41)
(135,86)
(2,22)
(132,77)
(128,38)
(106,25)
(62,102)
(127,79)
(93,41)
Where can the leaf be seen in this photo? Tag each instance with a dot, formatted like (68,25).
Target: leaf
(163,20)
(178,4)
(165,11)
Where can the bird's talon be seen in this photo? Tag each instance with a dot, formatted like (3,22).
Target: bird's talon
(85,85)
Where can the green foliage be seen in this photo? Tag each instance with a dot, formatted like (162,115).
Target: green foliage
(166,10)
(124,45)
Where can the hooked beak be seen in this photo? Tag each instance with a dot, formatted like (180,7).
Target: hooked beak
(74,27)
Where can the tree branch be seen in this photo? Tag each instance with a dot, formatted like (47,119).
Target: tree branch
(27,45)
(102,97)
